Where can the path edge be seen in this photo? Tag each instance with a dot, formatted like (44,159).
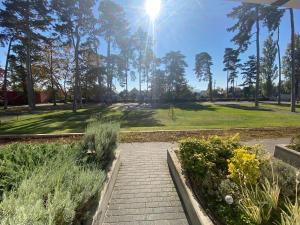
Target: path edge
(194,211)
(107,190)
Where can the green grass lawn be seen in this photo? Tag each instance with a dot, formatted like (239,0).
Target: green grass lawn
(186,116)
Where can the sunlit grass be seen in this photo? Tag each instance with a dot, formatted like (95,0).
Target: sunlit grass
(186,117)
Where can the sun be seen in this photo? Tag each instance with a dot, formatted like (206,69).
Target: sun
(152,8)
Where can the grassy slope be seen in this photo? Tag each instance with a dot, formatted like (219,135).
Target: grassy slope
(187,116)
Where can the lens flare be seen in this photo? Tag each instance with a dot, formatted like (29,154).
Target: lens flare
(152,8)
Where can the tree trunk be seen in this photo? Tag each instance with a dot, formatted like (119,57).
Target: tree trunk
(76,86)
(257,58)
(126,78)
(140,76)
(109,85)
(29,81)
(52,77)
(210,89)
(293,78)
(279,66)
(227,90)
(5,74)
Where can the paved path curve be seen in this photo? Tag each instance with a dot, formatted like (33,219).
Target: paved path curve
(144,193)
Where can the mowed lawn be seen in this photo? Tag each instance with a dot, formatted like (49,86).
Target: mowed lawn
(182,117)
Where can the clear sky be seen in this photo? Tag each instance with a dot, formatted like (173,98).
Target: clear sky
(192,26)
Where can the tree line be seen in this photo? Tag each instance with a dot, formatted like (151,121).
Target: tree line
(54,45)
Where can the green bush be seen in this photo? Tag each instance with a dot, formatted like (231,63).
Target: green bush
(295,143)
(55,184)
(200,156)
(53,194)
(100,142)
(17,161)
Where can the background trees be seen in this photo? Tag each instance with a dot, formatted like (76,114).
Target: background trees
(24,22)
(231,66)
(75,22)
(269,69)
(203,63)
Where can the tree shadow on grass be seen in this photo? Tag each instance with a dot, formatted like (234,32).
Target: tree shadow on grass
(53,123)
(139,118)
(245,107)
(189,106)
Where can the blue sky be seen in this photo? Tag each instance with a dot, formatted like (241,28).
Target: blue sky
(192,26)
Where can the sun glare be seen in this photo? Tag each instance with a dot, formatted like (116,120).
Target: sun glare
(152,8)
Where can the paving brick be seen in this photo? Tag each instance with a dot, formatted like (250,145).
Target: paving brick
(144,193)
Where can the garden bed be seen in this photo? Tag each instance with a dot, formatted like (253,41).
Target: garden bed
(236,184)
(55,183)
(288,155)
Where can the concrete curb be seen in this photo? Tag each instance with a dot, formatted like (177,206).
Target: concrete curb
(195,212)
(107,190)
(287,155)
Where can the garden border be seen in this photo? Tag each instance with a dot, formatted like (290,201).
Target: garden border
(195,212)
(287,155)
(107,190)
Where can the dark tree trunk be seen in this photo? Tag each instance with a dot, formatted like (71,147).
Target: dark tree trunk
(258,58)
(76,85)
(279,66)
(109,85)
(5,74)
(52,77)
(140,76)
(210,89)
(126,79)
(227,90)
(293,78)
(29,81)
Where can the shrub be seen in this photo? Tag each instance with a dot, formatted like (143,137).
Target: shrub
(53,194)
(295,143)
(100,141)
(243,167)
(202,155)
(283,173)
(17,161)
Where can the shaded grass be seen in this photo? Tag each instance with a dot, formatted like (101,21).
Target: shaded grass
(187,116)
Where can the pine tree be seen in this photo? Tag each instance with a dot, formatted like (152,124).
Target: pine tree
(113,27)
(272,20)
(26,20)
(76,22)
(203,63)
(269,69)
(248,16)
(231,65)
(175,73)
(249,76)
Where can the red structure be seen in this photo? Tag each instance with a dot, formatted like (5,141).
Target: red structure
(18,98)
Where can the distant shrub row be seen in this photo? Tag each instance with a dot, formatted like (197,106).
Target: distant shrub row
(55,184)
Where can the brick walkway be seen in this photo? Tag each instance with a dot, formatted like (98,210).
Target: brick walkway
(144,193)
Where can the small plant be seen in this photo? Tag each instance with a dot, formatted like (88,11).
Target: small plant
(295,143)
(291,215)
(258,202)
(243,167)
(100,141)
